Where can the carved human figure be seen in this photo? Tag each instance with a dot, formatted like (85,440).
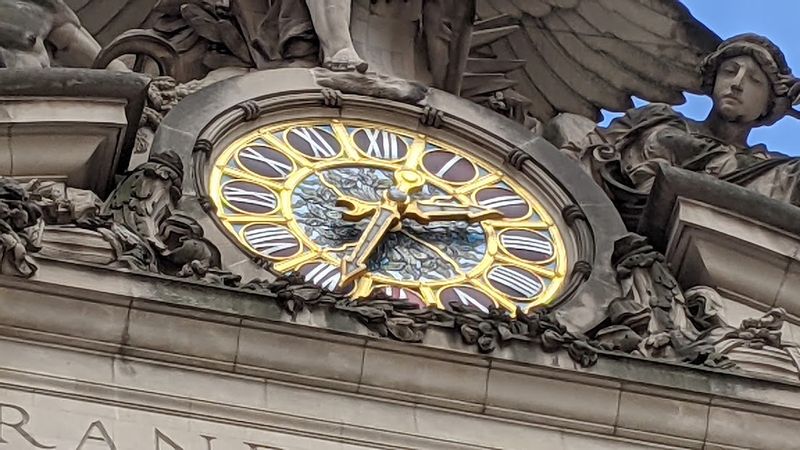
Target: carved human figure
(447,25)
(41,33)
(331,20)
(751,85)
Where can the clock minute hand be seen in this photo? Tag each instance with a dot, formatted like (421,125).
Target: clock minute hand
(383,221)
(427,212)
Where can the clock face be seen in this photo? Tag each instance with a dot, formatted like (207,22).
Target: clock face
(356,207)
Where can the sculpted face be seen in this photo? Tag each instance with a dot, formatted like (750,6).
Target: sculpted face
(742,91)
(34,57)
(23,28)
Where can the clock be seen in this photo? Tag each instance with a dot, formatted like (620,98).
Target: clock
(355,207)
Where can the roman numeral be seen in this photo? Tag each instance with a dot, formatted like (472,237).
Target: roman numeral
(384,144)
(540,245)
(238,195)
(325,276)
(316,142)
(469,300)
(502,201)
(252,154)
(448,165)
(525,285)
(270,240)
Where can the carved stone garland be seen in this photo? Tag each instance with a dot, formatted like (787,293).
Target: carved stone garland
(140,219)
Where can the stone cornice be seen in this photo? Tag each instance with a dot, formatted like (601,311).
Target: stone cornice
(161,319)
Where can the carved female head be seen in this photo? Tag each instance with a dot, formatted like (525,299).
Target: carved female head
(749,80)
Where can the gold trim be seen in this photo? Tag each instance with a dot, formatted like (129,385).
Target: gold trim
(352,156)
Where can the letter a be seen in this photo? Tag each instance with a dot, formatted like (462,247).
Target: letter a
(104,436)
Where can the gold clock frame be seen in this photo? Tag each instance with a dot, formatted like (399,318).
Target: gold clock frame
(350,155)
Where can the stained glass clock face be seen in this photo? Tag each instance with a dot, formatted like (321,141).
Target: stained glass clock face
(357,207)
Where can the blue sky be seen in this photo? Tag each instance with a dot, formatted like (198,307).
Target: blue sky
(776,19)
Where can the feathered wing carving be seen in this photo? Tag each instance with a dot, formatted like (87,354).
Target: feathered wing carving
(577,56)
(581,56)
(107,19)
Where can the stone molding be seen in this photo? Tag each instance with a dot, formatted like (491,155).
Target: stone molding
(148,320)
(96,111)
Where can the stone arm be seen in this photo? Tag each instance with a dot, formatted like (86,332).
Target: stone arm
(74,46)
(681,146)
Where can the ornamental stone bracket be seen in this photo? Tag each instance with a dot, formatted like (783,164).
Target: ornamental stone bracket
(712,236)
(724,236)
(75,126)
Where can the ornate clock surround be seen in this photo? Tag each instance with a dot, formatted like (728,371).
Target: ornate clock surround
(275,190)
(576,205)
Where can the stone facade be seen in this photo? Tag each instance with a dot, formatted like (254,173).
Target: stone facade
(133,316)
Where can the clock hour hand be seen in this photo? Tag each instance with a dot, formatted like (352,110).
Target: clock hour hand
(355,209)
(383,221)
(425,212)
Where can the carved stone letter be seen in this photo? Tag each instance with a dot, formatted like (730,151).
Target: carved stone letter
(161,437)
(209,440)
(259,446)
(19,426)
(104,436)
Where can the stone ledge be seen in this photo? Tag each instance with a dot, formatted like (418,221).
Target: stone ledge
(258,341)
(709,233)
(91,116)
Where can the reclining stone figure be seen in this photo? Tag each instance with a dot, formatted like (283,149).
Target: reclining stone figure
(751,85)
(44,33)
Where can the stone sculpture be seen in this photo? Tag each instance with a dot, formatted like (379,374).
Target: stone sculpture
(751,85)
(331,19)
(47,33)
(469,47)
(593,66)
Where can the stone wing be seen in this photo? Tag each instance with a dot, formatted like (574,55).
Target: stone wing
(580,56)
(107,19)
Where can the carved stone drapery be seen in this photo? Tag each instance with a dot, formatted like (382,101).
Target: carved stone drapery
(658,319)
(21,226)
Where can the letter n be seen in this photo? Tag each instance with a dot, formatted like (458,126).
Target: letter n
(161,437)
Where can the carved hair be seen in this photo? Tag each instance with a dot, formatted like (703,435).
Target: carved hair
(767,55)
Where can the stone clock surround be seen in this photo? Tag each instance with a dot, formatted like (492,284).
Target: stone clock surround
(198,132)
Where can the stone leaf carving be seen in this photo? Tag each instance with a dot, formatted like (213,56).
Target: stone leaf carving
(408,322)
(757,345)
(656,318)
(142,222)
(61,204)
(147,196)
(650,318)
(21,227)
(163,94)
